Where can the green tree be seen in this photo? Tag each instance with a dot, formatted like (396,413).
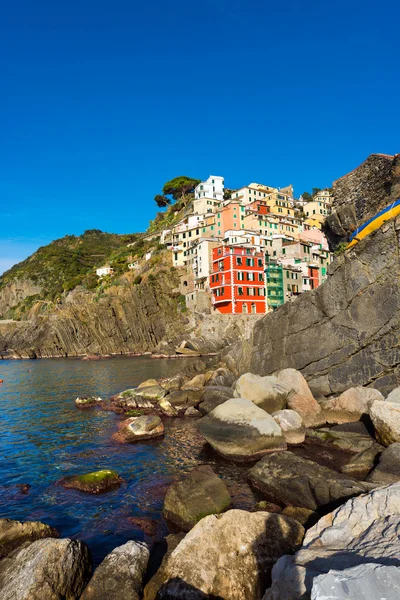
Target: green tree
(315,191)
(306,196)
(179,187)
(161,200)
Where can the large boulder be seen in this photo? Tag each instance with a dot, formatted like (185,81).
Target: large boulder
(300,398)
(14,533)
(394,395)
(363,530)
(137,429)
(385,417)
(266,392)
(172,384)
(120,575)
(160,576)
(197,381)
(351,405)
(130,399)
(199,494)
(241,431)
(347,441)
(213,396)
(291,424)
(388,469)
(97,482)
(229,556)
(150,392)
(47,569)
(367,582)
(289,480)
(182,399)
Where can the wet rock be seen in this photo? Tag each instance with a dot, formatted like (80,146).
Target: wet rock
(385,417)
(368,581)
(15,533)
(361,531)
(137,429)
(229,556)
(290,480)
(388,469)
(266,392)
(167,409)
(47,569)
(240,430)
(199,494)
(213,396)
(351,405)
(148,383)
(300,398)
(160,576)
(347,441)
(292,426)
(131,399)
(394,395)
(87,401)
(362,463)
(152,392)
(182,399)
(98,482)
(120,575)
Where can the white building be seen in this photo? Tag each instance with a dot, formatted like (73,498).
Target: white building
(103,271)
(212,188)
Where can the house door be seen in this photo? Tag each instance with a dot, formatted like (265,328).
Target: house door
(253,309)
(244,308)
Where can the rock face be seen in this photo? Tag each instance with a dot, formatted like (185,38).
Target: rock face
(345,333)
(45,570)
(120,575)
(241,431)
(292,426)
(266,392)
(385,417)
(136,429)
(351,405)
(201,493)
(97,482)
(300,398)
(229,556)
(14,533)
(368,581)
(289,480)
(363,530)
(388,469)
(213,396)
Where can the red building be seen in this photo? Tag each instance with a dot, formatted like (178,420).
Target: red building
(313,273)
(237,280)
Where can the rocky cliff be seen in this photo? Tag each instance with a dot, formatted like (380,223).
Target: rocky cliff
(345,333)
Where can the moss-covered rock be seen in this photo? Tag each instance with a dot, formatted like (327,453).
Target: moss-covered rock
(87,401)
(97,482)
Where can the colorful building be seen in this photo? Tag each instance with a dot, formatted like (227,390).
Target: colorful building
(274,280)
(237,280)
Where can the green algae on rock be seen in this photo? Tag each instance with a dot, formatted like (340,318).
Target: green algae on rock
(97,482)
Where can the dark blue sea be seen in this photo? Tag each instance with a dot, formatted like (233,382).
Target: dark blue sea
(43,438)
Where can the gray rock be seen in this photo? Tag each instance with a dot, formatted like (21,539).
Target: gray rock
(160,577)
(394,395)
(229,556)
(199,494)
(347,441)
(363,530)
(367,582)
(300,398)
(388,469)
(291,424)
(47,569)
(266,392)
(213,396)
(136,429)
(192,412)
(362,463)
(385,417)
(182,399)
(289,480)
(120,575)
(172,384)
(241,431)
(14,533)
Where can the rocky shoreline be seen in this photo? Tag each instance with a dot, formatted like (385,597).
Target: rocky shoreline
(323,523)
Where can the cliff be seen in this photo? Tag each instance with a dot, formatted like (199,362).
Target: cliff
(344,333)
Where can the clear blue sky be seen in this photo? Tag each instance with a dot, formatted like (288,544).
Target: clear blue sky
(103,101)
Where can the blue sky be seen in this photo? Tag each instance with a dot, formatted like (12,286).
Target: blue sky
(102,102)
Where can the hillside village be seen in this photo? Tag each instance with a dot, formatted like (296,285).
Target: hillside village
(248,250)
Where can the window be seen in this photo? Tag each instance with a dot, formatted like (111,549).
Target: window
(248,251)
(238,260)
(240,291)
(260,262)
(250,262)
(212,181)
(260,277)
(176,256)
(240,276)
(201,187)
(250,276)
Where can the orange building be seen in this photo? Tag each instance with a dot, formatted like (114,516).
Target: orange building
(230,216)
(237,280)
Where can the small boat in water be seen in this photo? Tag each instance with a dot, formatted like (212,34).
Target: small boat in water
(392,210)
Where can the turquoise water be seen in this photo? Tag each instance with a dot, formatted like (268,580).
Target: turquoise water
(43,438)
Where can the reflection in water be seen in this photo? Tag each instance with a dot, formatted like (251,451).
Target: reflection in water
(43,437)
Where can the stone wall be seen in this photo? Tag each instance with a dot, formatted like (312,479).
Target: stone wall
(346,332)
